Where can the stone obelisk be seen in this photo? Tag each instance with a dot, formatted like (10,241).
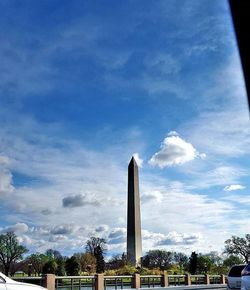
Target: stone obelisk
(134,245)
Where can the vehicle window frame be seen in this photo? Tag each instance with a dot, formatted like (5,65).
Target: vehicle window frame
(233,269)
(2,280)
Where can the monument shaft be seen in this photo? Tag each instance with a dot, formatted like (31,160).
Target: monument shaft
(134,244)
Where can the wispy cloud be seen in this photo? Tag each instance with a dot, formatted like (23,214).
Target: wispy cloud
(174,238)
(6,183)
(182,209)
(233,187)
(222,127)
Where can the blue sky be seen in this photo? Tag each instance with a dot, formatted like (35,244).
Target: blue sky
(84,85)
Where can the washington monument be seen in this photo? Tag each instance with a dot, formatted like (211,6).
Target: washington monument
(134,245)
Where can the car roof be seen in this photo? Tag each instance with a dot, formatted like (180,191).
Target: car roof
(239,265)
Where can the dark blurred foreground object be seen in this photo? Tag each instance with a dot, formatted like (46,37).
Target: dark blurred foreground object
(240,10)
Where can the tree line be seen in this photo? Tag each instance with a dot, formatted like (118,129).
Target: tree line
(237,251)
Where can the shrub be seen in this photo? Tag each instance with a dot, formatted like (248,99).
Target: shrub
(127,270)
(110,272)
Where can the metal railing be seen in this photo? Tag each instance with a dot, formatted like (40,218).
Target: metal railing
(75,282)
(215,279)
(176,280)
(118,282)
(151,281)
(198,279)
(101,282)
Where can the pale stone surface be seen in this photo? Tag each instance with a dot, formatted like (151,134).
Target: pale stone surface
(188,279)
(50,281)
(99,282)
(164,279)
(136,281)
(134,244)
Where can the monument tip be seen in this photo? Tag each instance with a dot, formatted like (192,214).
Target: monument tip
(132,161)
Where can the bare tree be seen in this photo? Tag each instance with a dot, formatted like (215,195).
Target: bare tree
(10,251)
(93,243)
(181,259)
(97,247)
(239,246)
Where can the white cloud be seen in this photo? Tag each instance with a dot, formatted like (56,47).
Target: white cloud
(102,228)
(174,238)
(5,181)
(151,236)
(185,212)
(79,200)
(46,211)
(154,196)
(203,155)
(174,151)
(4,160)
(25,240)
(233,187)
(225,135)
(62,230)
(242,199)
(57,238)
(173,133)
(223,175)
(5,176)
(138,160)
(18,228)
(117,236)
